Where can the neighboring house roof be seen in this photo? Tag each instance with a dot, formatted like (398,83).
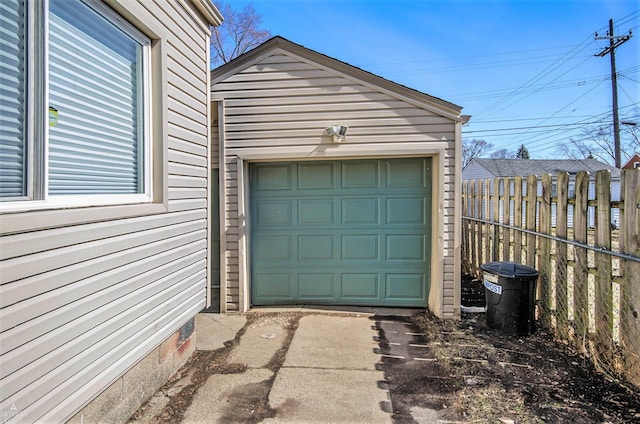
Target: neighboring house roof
(632,161)
(526,167)
(282,45)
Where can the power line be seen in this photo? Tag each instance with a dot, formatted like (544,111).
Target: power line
(553,134)
(533,127)
(533,89)
(555,65)
(514,143)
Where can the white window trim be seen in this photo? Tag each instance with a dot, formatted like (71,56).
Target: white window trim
(36,133)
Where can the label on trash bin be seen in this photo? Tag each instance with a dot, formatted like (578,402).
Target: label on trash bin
(497,289)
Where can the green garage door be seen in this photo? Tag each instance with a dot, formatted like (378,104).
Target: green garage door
(351,232)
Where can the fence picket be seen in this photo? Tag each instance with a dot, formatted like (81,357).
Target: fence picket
(496,218)
(544,259)
(473,232)
(506,218)
(487,228)
(580,269)
(517,219)
(530,224)
(630,243)
(603,289)
(562,271)
(479,213)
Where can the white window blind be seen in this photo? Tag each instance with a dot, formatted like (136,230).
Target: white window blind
(95,90)
(12,99)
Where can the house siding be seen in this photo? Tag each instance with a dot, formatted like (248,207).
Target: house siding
(476,172)
(282,102)
(84,298)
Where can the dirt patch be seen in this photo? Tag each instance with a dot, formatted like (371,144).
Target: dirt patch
(465,371)
(250,403)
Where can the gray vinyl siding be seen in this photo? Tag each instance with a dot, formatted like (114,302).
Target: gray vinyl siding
(82,302)
(286,100)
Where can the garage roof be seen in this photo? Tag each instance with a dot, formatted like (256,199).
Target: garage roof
(282,45)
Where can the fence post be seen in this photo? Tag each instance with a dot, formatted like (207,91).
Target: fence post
(506,218)
(630,244)
(532,194)
(544,260)
(581,271)
(517,219)
(561,280)
(603,292)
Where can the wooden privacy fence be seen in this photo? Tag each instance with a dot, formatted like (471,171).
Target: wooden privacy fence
(585,246)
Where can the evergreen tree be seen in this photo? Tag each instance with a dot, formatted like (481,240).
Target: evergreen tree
(523,153)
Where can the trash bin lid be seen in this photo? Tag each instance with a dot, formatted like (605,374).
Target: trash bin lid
(509,269)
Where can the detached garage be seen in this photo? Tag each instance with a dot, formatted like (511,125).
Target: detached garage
(366,218)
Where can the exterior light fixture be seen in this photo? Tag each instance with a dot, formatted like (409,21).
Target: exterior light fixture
(338,132)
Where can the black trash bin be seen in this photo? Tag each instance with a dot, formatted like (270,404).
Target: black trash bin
(510,291)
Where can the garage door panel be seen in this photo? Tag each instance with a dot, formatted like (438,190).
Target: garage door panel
(405,247)
(406,210)
(361,211)
(316,286)
(406,173)
(273,248)
(316,212)
(316,248)
(316,176)
(360,286)
(273,286)
(273,177)
(360,174)
(360,247)
(274,213)
(341,232)
(405,286)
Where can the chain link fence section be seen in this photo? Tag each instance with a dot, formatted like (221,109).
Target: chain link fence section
(586,248)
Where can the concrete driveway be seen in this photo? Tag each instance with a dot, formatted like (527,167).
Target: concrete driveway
(293,365)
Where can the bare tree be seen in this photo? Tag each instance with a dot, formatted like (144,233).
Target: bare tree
(594,142)
(503,154)
(473,149)
(597,141)
(240,32)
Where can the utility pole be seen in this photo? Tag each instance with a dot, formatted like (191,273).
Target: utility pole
(614,41)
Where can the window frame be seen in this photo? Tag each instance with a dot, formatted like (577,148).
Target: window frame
(36,116)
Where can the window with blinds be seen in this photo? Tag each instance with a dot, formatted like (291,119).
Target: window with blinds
(95,130)
(12,99)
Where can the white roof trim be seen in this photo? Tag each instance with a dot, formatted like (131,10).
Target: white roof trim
(208,11)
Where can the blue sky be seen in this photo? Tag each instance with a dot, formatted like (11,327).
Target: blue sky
(511,65)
